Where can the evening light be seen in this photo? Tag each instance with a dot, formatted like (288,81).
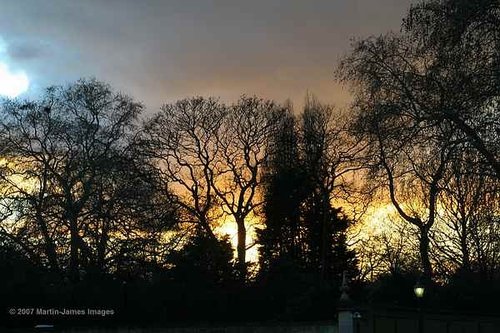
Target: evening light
(12,84)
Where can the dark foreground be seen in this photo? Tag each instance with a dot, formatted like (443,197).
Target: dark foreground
(327,327)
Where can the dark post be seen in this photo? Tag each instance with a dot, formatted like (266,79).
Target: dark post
(419,291)
(345,317)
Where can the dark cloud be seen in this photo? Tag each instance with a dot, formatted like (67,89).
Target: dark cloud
(23,51)
(159,51)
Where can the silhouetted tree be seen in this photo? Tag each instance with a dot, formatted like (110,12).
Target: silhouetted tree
(412,165)
(464,240)
(424,92)
(243,142)
(284,179)
(325,226)
(458,43)
(66,167)
(302,178)
(203,262)
(181,142)
(441,69)
(387,249)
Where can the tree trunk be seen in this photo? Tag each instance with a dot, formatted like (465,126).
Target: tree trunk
(465,249)
(74,273)
(424,254)
(205,225)
(50,250)
(241,248)
(101,248)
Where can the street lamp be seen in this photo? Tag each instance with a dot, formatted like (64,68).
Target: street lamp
(419,289)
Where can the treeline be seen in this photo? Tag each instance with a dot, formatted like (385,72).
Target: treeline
(101,206)
(103,203)
(426,102)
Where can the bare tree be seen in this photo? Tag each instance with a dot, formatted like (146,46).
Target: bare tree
(182,142)
(64,157)
(442,68)
(390,250)
(459,41)
(410,160)
(469,201)
(243,144)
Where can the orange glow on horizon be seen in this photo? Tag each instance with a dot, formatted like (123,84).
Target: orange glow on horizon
(228,227)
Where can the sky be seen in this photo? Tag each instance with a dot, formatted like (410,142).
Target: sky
(161,51)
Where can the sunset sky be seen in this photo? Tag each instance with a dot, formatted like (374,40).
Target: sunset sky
(160,51)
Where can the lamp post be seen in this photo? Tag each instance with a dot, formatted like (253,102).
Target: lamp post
(419,290)
(345,317)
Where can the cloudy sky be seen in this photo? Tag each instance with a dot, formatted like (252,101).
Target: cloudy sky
(160,51)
